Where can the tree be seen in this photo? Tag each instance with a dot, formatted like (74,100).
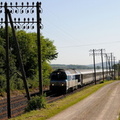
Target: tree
(28,47)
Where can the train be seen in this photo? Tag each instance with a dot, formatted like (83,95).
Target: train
(65,80)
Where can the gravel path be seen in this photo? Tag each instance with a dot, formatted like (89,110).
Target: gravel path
(101,105)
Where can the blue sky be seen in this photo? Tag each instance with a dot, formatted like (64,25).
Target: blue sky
(76,26)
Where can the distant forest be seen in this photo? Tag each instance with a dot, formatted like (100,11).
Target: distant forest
(63,66)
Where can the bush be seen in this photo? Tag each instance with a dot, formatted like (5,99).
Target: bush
(36,102)
(2,83)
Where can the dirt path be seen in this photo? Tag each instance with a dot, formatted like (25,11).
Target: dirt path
(102,105)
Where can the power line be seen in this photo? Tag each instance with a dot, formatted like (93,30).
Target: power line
(89,44)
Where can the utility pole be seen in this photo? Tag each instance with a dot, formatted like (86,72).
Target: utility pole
(109,58)
(39,49)
(118,68)
(94,64)
(106,62)
(111,55)
(109,64)
(102,63)
(7,64)
(114,67)
(17,23)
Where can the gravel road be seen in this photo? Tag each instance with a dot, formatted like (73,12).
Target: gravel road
(101,105)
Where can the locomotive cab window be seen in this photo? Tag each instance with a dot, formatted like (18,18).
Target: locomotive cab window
(58,76)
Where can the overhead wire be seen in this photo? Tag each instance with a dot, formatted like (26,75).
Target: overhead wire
(90,44)
(59,27)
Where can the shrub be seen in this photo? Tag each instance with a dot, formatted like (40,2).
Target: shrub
(36,102)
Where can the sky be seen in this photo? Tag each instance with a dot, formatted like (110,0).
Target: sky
(78,26)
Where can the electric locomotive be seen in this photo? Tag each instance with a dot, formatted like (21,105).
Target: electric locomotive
(65,80)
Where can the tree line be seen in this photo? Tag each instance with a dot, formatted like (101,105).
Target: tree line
(28,47)
(63,66)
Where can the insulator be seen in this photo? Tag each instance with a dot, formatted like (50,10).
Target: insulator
(16,3)
(10,11)
(41,26)
(27,11)
(18,19)
(16,11)
(15,27)
(27,3)
(28,27)
(18,27)
(32,27)
(40,19)
(22,11)
(22,3)
(11,3)
(15,20)
(0,11)
(1,19)
(23,27)
(41,10)
(32,3)
(31,11)
(32,20)
(1,4)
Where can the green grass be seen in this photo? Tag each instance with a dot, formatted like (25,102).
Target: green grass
(119,117)
(56,107)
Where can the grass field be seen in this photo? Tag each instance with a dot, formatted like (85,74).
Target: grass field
(56,107)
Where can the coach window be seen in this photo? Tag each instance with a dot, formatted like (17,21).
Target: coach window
(73,77)
(77,77)
(69,77)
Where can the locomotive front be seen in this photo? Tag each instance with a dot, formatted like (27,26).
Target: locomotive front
(58,81)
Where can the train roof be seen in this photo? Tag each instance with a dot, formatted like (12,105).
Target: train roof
(77,71)
(68,71)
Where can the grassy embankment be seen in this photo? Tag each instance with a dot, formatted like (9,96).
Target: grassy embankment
(56,107)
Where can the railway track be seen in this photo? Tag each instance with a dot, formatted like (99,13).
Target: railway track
(18,105)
